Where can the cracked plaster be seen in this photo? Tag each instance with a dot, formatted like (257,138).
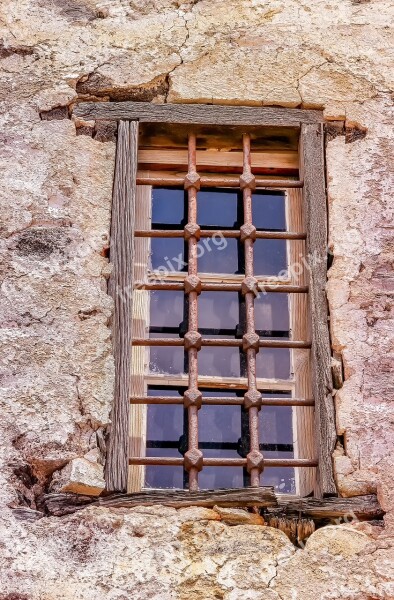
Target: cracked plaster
(56,365)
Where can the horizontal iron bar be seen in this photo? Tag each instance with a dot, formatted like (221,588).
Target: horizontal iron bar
(198,114)
(221,287)
(217,181)
(221,401)
(222,462)
(233,343)
(226,233)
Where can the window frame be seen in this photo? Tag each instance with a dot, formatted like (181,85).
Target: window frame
(314,205)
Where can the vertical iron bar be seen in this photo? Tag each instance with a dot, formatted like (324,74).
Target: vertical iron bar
(252,399)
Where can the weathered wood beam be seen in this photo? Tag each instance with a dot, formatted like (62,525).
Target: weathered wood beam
(119,287)
(196,114)
(315,214)
(363,508)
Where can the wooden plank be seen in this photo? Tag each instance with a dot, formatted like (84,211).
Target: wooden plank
(220,383)
(303,417)
(120,286)
(140,323)
(315,212)
(363,508)
(218,161)
(194,114)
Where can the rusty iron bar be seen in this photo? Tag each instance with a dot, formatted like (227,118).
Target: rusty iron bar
(209,286)
(192,340)
(221,401)
(226,233)
(215,181)
(255,460)
(229,343)
(223,462)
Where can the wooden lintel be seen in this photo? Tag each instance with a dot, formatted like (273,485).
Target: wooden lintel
(195,114)
(364,508)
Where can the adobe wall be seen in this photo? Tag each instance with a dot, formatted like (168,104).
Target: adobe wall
(56,365)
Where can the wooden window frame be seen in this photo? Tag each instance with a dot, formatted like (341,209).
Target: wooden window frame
(314,209)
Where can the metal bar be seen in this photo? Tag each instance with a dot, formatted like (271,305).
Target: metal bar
(222,462)
(219,287)
(143,178)
(229,343)
(226,233)
(221,401)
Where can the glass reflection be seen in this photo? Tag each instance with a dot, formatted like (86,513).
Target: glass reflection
(217,208)
(273,363)
(168,207)
(269,210)
(270,257)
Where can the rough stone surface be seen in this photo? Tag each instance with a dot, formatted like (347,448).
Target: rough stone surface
(79,476)
(56,364)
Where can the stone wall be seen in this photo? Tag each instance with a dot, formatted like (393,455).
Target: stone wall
(56,363)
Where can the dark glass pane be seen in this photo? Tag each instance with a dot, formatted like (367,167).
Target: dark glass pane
(166,308)
(217,208)
(164,424)
(166,359)
(218,255)
(218,310)
(269,210)
(169,477)
(282,478)
(276,426)
(167,255)
(273,363)
(219,361)
(167,206)
(272,312)
(270,257)
(220,424)
(220,477)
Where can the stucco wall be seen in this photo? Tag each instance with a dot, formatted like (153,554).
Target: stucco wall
(56,363)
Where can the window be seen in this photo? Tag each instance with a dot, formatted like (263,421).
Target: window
(219,249)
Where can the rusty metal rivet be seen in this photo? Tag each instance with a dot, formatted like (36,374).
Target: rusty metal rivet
(255,460)
(192,397)
(247,180)
(192,180)
(193,459)
(248,231)
(252,398)
(192,230)
(192,284)
(193,339)
(249,284)
(250,340)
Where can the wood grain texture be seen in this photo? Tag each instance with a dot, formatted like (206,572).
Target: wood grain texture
(363,508)
(303,417)
(120,287)
(140,324)
(195,114)
(315,212)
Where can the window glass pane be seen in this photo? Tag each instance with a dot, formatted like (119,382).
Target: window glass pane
(168,360)
(158,476)
(168,206)
(269,210)
(282,478)
(273,363)
(218,311)
(219,361)
(269,257)
(275,426)
(217,208)
(166,308)
(272,312)
(167,255)
(220,477)
(218,255)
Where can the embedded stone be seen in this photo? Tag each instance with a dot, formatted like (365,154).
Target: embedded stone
(80,476)
(192,230)
(193,459)
(250,340)
(192,180)
(193,339)
(192,284)
(248,232)
(252,398)
(247,181)
(255,460)
(192,397)
(249,284)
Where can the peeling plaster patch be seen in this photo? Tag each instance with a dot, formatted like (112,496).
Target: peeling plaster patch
(40,243)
